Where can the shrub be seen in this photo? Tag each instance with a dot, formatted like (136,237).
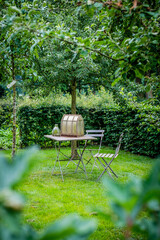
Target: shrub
(129,200)
(2,91)
(6,138)
(5,114)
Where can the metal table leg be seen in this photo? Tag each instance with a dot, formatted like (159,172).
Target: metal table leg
(57,160)
(81,158)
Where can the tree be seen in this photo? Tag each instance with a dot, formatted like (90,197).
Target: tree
(69,65)
(62,67)
(127,33)
(14,52)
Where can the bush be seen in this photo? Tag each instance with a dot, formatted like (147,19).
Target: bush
(6,138)
(5,114)
(128,202)
(100,99)
(2,91)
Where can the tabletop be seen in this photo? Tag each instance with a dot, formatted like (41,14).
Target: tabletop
(63,138)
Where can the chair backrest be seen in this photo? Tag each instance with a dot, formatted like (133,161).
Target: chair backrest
(119,145)
(96,134)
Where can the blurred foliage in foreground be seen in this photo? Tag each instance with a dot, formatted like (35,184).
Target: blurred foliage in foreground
(135,205)
(130,200)
(11,203)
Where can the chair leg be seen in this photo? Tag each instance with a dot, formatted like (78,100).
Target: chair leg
(105,168)
(95,163)
(110,167)
(88,161)
(103,173)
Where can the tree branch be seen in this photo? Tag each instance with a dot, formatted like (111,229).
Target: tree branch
(91,49)
(113,4)
(135,2)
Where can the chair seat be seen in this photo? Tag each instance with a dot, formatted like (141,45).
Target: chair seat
(104,155)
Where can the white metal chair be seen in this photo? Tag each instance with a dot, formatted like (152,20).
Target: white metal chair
(101,158)
(99,134)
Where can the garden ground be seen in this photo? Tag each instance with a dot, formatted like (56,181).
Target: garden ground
(48,198)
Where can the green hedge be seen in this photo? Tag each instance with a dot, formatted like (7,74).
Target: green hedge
(5,114)
(142,127)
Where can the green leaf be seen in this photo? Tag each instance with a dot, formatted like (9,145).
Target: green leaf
(11,199)
(99,5)
(155,42)
(70,227)
(138,74)
(116,81)
(36,53)
(153,205)
(12,173)
(35,3)
(14,9)
(148,88)
(121,213)
(152,184)
(31,13)
(154,14)
(36,41)
(84,53)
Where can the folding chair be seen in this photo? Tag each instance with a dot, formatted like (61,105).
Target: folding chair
(97,134)
(101,158)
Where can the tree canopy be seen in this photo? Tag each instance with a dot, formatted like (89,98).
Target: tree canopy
(113,43)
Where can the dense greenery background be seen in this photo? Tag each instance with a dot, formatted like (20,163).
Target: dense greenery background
(49,46)
(141,126)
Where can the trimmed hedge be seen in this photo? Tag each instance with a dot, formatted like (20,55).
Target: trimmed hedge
(142,127)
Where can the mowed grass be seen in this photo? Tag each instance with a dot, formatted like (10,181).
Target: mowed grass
(48,198)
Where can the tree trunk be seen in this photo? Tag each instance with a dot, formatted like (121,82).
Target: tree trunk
(73,93)
(14,108)
(74,153)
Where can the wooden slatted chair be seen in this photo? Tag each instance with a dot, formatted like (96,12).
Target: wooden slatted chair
(101,158)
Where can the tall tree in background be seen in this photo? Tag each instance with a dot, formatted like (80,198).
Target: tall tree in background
(128,32)
(14,57)
(58,67)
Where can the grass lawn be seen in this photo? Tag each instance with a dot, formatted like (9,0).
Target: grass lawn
(48,198)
